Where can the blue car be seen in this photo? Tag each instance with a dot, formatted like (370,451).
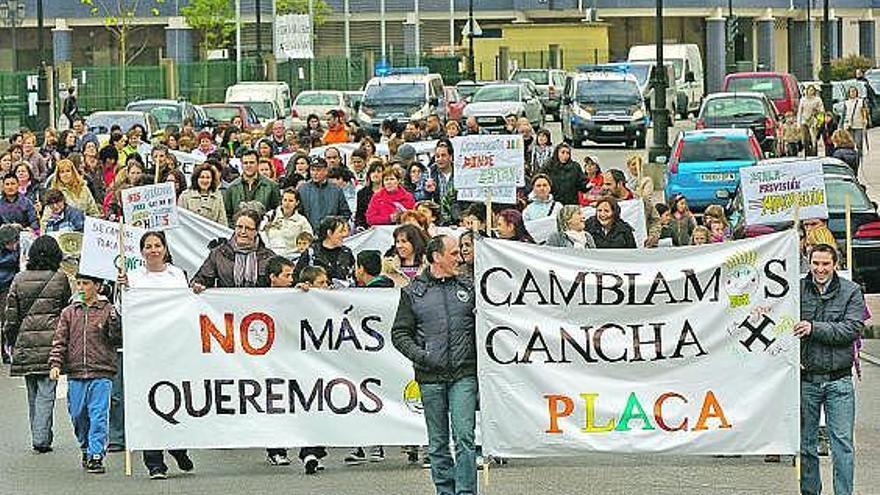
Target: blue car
(705,164)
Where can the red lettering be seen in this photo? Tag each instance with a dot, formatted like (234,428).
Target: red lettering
(270,333)
(208,330)
(658,412)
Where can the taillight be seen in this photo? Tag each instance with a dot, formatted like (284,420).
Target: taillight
(676,155)
(868,231)
(701,124)
(769,127)
(756,147)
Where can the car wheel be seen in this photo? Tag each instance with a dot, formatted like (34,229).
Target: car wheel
(641,143)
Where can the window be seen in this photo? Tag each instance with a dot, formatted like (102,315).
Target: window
(716,150)
(770,86)
(317,99)
(536,76)
(497,93)
(733,108)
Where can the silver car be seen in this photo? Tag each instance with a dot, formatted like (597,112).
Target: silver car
(491,103)
(319,103)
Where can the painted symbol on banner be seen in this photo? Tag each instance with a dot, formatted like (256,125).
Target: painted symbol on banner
(741,279)
(463,295)
(412,397)
(756,332)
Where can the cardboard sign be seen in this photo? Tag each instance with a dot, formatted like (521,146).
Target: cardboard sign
(151,207)
(100,249)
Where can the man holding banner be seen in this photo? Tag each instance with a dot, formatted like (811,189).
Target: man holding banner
(832,312)
(435,329)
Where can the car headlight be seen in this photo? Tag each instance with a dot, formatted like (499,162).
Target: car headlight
(584,113)
(364,116)
(638,114)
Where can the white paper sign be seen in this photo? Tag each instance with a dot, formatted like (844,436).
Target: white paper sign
(681,351)
(238,368)
(771,192)
(151,207)
(483,161)
(100,249)
(293,37)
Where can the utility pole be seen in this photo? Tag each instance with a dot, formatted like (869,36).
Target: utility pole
(451,27)
(418,44)
(43,120)
(382,28)
(346,14)
(825,74)
(659,152)
(237,40)
(312,39)
(258,8)
(472,70)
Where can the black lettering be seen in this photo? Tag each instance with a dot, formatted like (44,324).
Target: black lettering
(352,396)
(779,278)
(583,350)
(151,399)
(249,396)
(537,344)
(638,342)
(188,399)
(272,397)
(373,333)
(373,396)
(685,331)
(601,288)
(294,392)
(566,296)
(484,285)
(756,333)
(659,280)
(490,345)
(597,342)
(529,286)
(220,398)
(692,281)
(306,328)
(346,334)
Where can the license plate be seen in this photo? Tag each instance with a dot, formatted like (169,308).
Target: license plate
(612,128)
(486,120)
(718,177)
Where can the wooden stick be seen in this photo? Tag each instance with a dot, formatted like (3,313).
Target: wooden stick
(487,460)
(849,254)
(127,462)
(488,211)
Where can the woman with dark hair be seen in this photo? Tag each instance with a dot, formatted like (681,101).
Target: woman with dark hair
(297,171)
(265,151)
(607,228)
(157,273)
(595,181)
(329,252)
(36,298)
(312,129)
(283,225)
(511,226)
(27,186)
(365,194)
(541,201)
(542,150)
(407,257)
(203,198)
(566,175)
(231,140)
(67,143)
(466,243)
(176,176)
(369,147)
(238,262)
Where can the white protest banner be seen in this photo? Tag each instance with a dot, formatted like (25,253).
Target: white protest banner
(500,194)
(151,207)
(631,211)
(770,192)
(189,242)
(293,37)
(381,237)
(237,368)
(484,161)
(684,351)
(100,248)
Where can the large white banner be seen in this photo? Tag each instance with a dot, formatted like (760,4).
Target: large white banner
(237,368)
(631,211)
(686,351)
(771,193)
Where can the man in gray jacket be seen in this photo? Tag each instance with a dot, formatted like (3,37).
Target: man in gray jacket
(832,314)
(320,198)
(435,329)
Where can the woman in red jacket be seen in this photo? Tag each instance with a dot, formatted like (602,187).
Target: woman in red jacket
(389,201)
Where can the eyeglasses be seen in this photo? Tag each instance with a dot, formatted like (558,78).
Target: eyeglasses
(245,228)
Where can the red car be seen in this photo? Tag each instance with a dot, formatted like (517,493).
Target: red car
(780,87)
(454,104)
(223,113)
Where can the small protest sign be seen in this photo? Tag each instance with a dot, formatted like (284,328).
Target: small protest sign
(772,192)
(151,207)
(100,249)
(484,161)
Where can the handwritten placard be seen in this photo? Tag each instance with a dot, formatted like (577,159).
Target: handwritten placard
(151,207)
(100,249)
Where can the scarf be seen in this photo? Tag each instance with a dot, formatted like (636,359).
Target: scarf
(578,237)
(245,269)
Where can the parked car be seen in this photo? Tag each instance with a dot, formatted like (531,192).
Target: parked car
(781,87)
(865,222)
(223,113)
(404,96)
(454,103)
(319,103)
(172,112)
(750,110)
(687,64)
(269,100)
(603,107)
(549,83)
(704,164)
(466,89)
(99,123)
(491,103)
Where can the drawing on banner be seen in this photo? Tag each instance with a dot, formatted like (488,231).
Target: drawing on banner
(100,249)
(151,207)
(293,37)
(771,193)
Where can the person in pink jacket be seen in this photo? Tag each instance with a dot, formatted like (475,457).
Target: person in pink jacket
(389,201)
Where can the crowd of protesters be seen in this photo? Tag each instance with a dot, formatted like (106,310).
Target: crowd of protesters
(290,220)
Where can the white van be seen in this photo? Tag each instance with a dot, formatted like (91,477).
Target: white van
(402,96)
(269,100)
(687,64)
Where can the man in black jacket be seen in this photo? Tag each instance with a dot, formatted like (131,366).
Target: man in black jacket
(434,329)
(832,314)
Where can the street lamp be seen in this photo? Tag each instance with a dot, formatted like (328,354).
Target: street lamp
(659,151)
(825,73)
(472,71)
(43,119)
(12,14)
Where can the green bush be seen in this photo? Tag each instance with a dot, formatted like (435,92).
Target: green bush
(845,68)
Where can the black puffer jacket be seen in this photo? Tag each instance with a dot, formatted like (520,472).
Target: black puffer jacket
(848,156)
(36,299)
(338,263)
(435,328)
(218,269)
(619,236)
(568,179)
(838,320)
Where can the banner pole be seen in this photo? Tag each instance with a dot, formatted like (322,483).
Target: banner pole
(487,460)
(122,271)
(848,216)
(488,211)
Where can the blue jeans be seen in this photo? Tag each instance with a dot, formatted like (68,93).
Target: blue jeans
(88,402)
(117,406)
(41,408)
(839,401)
(455,403)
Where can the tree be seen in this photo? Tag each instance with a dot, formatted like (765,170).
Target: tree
(119,18)
(212,19)
(322,10)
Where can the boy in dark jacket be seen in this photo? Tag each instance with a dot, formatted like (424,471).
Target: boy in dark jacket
(84,347)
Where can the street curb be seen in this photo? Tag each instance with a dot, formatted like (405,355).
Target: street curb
(869,358)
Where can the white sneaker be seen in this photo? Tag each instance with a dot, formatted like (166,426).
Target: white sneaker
(278,460)
(377,454)
(310,464)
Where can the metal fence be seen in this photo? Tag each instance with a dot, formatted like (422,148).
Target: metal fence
(13,101)
(102,88)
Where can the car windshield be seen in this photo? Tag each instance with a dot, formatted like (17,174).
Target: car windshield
(101,123)
(505,92)
(716,150)
(165,114)
(317,99)
(536,76)
(837,190)
(222,114)
(265,110)
(466,90)
(391,94)
(733,108)
(604,91)
(677,65)
(641,72)
(770,86)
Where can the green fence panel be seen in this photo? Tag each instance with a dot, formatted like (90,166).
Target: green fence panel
(13,101)
(102,88)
